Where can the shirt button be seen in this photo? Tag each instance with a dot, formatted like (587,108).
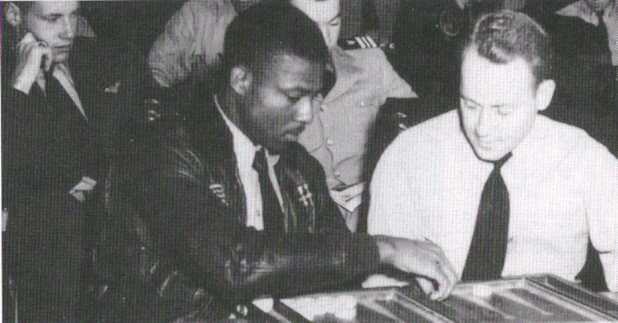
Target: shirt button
(329,142)
(258,214)
(337,173)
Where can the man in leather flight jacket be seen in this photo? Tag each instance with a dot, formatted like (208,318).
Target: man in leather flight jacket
(186,238)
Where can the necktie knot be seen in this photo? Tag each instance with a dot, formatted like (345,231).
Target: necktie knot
(259,161)
(500,162)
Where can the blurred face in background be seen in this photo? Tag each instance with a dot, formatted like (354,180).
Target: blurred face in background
(598,5)
(325,13)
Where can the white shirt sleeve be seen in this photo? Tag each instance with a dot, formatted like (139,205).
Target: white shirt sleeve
(391,209)
(601,202)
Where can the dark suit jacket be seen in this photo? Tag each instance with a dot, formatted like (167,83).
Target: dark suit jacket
(176,244)
(46,149)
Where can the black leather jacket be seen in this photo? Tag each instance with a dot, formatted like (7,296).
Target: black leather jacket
(177,233)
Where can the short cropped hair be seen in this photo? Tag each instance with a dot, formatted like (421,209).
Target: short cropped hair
(269,29)
(504,36)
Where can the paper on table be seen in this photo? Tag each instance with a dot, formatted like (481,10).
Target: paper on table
(342,307)
(349,198)
(380,280)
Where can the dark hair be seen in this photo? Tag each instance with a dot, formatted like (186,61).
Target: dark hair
(504,36)
(269,29)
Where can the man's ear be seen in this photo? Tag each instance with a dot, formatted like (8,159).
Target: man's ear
(544,94)
(241,80)
(13,14)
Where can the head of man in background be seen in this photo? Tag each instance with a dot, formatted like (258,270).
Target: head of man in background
(326,14)
(53,24)
(505,82)
(599,5)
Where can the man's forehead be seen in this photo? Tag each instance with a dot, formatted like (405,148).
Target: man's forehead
(320,11)
(482,76)
(291,71)
(44,8)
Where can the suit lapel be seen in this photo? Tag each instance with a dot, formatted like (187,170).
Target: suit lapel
(214,141)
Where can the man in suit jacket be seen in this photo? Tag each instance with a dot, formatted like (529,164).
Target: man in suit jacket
(65,103)
(211,215)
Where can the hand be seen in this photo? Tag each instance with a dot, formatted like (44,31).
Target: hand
(29,60)
(422,258)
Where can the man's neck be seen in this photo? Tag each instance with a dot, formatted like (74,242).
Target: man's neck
(229,105)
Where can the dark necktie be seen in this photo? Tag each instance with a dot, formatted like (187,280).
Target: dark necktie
(603,35)
(56,95)
(271,209)
(330,78)
(602,28)
(488,249)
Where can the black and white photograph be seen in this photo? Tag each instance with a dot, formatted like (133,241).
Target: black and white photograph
(309,161)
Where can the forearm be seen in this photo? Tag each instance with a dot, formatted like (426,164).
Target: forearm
(281,267)
(240,264)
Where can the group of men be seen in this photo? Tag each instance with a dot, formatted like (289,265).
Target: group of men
(204,214)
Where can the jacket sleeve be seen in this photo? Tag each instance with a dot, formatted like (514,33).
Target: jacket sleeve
(233,262)
(28,132)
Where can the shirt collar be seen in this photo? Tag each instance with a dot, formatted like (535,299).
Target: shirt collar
(244,148)
(537,133)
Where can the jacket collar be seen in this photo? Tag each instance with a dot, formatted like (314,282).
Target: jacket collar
(347,73)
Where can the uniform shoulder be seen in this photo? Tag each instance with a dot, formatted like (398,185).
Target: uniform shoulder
(374,58)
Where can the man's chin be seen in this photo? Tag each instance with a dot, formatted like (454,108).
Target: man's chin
(61,58)
(488,154)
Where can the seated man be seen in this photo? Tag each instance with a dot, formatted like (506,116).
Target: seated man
(544,187)
(339,135)
(209,216)
(65,102)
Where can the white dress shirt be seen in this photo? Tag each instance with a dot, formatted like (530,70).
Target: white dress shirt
(245,150)
(563,188)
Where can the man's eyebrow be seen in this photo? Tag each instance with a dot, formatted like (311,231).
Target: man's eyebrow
(335,18)
(58,15)
(499,105)
(52,15)
(468,99)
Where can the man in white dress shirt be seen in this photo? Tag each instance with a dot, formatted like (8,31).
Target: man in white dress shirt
(560,185)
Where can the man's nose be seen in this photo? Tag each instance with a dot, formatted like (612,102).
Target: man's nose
(68,28)
(485,123)
(326,33)
(304,110)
